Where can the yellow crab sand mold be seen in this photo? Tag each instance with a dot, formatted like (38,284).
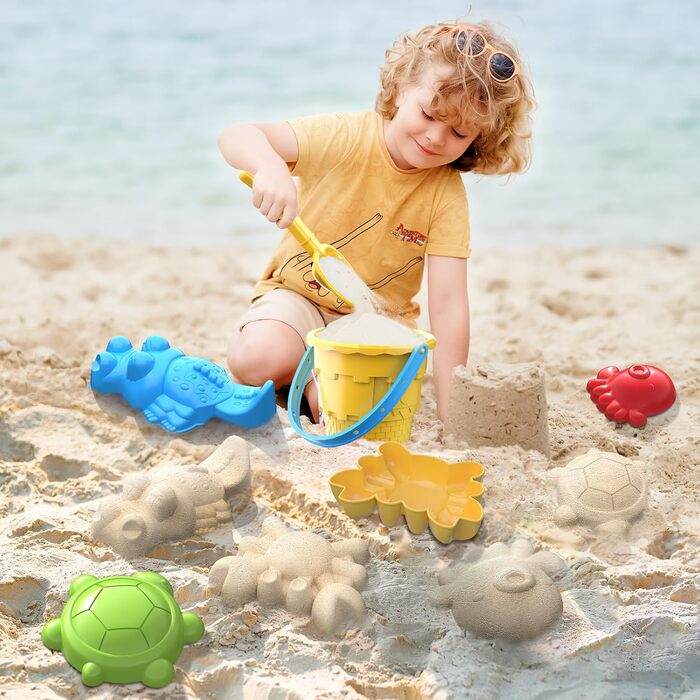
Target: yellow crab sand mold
(424,489)
(353,378)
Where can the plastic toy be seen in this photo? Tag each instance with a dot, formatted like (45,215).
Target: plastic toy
(122,629)
(424,489)
(174,501)
(318,252)
(633,394)
(602,489)
(176,391)
(351,378)
(300,571)
(507,593)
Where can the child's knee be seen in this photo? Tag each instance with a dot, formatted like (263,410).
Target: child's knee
(253,358)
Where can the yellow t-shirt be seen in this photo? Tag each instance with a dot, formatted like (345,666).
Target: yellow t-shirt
(383,219)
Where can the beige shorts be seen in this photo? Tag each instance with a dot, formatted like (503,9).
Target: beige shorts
(291,308)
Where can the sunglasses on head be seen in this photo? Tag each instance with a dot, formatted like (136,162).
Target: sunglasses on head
(472,43)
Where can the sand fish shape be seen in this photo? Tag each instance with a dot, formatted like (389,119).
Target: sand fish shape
(298,570)
(176,391)
(426,490)
(122,629)
(174,502)
(600,489)
(507,593)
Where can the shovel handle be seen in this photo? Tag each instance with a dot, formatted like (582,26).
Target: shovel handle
(298,228)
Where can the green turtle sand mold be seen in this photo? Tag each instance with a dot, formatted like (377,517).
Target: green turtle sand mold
(122,629)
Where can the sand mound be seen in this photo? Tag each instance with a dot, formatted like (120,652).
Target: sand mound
(370,329)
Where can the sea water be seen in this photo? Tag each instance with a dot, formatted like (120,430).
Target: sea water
(110,113)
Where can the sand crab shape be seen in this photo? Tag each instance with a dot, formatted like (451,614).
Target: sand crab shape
(300,571)
(428,491)
(602,489)
(507,593)
(173,502)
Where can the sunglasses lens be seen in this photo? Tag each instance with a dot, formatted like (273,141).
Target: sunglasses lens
(471,45)
(502,66)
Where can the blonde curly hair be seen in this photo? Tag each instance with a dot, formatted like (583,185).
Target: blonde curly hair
(468,96)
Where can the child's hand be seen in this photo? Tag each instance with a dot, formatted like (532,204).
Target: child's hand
(275,194)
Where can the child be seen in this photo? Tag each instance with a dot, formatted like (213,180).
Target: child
(383,187)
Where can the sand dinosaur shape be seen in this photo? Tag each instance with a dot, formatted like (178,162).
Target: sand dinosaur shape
(298,570)
(602,489)
(176,391)
(174,502)
(506,593)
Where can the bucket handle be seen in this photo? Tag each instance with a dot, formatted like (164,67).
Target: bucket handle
(367,422)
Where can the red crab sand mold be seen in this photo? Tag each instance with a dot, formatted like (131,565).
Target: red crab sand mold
(633,394)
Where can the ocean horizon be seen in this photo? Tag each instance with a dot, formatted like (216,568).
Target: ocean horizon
(111,113)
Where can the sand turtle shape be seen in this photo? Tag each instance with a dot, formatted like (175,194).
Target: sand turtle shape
(122,629)
(602,489)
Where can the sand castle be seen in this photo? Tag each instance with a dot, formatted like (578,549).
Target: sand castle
(498,404)
(300,571)
(173,502)
(601,489)
(508,593)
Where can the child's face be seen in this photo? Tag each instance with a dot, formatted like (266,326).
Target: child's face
(417,139)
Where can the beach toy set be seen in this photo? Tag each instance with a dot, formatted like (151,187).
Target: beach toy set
(125,629)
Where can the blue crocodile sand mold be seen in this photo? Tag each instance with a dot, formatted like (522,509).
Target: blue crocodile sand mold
(177,391)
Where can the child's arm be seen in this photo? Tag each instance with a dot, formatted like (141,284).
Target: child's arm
(448,307)
(265,150)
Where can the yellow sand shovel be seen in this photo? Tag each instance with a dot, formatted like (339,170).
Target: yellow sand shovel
(315,249)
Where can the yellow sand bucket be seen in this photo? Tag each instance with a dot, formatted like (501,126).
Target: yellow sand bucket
(370,390)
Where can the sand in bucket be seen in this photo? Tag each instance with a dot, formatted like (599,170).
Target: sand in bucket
(367,328)
(358,358)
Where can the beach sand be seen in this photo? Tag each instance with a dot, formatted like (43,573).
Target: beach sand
(629,626)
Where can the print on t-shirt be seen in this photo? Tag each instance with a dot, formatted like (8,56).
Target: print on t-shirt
(302,262)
